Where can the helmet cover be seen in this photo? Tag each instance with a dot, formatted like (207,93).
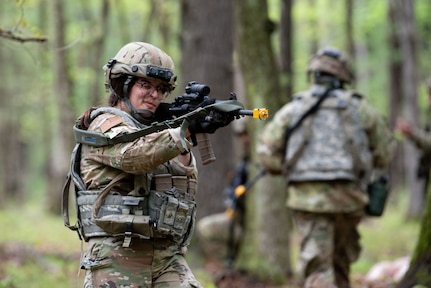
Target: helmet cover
(331,61)
(144,60)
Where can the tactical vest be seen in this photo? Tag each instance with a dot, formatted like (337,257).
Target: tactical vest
(331,143)
(161,205)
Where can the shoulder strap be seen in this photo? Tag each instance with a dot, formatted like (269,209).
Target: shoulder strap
(65,204)
(307,113)
(102,195)
(307,135)
(359,166)
(74,174)
(99,139)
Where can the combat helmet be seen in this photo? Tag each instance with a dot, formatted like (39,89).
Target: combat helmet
(333,62)
(135,60)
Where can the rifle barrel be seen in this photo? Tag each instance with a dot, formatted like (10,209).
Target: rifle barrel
(257,113)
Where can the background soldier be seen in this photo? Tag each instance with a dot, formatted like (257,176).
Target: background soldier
(422,139)
(326,142)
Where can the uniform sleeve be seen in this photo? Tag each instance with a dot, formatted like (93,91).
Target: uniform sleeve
(142,155)
(381,139)
(421,138)
(272,143)
(179,168)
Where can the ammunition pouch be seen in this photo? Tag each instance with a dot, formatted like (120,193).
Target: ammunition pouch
(117,216)
(171,215)
(159,214)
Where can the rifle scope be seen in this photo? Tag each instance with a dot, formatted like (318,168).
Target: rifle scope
(193,87)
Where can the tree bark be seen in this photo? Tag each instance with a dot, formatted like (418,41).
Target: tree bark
(395,95)
(96,53)
(267,228)
(286,44)
(350,43)
(62,137)
(404,24)
(419,272)
(207,57)
(14,151)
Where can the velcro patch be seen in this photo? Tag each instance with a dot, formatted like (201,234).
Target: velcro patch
(110,122)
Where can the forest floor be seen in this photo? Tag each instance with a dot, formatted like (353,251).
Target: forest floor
(34,245)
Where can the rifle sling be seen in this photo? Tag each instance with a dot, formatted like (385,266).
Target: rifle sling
(98,139)
(288,164)
(307,113)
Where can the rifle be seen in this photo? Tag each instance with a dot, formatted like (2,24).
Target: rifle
(194,104)
(217,112)
(238,194)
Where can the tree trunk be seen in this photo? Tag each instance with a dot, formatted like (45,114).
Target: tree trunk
(404,24)
(14,159)
(419,272)
(312,23)
(267,229)
(350,39)
(62,137)
(395,95)
(96,52)
(207,57)
(286,44)
(350,44)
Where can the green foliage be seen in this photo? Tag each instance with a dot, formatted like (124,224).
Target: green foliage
(36,276)
(34,245)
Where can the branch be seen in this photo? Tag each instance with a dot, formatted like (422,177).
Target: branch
(10,35)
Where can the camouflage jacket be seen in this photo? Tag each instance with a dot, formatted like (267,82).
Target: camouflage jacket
(335,193)
(155,154)
(422,139)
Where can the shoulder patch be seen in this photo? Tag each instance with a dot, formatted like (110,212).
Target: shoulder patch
(110,122)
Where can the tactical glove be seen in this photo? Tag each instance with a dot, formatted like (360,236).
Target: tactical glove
(210,126)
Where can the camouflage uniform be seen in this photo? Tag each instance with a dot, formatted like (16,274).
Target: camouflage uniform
(156,262)
(421,138)
(326,199)
(135,197)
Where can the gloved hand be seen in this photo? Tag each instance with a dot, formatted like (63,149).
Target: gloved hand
(199,126)
(207,126)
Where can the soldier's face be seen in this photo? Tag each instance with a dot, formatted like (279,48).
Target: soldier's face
(147,94)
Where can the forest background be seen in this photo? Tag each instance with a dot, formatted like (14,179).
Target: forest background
(52,52)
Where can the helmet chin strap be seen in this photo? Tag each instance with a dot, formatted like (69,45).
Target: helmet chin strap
(144,116)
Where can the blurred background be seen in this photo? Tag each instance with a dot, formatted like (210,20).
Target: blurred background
(52,53)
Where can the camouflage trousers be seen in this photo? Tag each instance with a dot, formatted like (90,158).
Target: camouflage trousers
(329,245)
(146,263)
